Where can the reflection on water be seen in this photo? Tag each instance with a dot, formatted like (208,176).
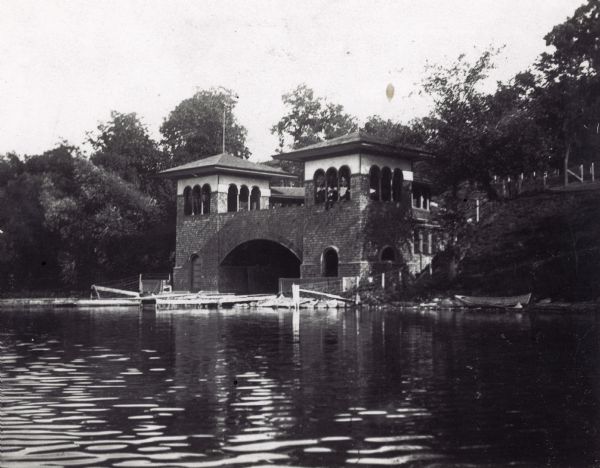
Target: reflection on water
(209,389)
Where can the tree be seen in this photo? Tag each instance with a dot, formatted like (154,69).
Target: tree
(415,133)
(576,43)
(123,146)
(458,120)
(514,142)
(310,119)
(567,87)
(27,247)
(101,222)
(194,129)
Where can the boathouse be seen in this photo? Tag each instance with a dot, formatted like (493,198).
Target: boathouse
(359,210)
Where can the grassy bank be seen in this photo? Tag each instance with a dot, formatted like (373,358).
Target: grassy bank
(547,243)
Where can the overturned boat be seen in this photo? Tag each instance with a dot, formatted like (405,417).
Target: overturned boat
(496,302)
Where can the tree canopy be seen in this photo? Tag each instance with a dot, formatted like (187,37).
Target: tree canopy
(413,133)
(122,145)
(194,129)
(310,119)
(566,90)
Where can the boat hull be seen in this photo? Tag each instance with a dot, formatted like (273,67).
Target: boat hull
(488,301)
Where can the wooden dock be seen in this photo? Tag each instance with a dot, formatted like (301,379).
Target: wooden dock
(67,302)
(200,301)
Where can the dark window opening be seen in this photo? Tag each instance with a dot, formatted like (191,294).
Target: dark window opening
(232,198)
(397,181)
(421,196)
(320,190)
(196,200)
(206,199)
(255,199)
(417,238)
(331,178)
(374,183)
(187,201)
(344,185)
(244,198)
(427,248)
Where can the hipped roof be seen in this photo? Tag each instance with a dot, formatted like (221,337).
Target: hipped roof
(357,142)
(225,163)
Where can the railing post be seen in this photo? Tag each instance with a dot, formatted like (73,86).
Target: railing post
(477,210)
(592,171)
(520,184)
(544,182)
(296,296)
(581,172)
(383,280)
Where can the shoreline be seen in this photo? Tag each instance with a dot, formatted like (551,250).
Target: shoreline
(78,303)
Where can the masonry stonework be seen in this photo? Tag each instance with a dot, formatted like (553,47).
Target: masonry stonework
(248,250)
(358,229)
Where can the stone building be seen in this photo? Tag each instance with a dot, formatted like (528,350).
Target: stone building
(361,211)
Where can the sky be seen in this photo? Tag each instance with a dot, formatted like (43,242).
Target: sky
(64,65)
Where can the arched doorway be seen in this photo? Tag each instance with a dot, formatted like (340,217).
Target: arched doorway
(330,262)
(255,267)
(195,273)
(388,254)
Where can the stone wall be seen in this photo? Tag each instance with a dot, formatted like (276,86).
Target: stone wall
(358,229)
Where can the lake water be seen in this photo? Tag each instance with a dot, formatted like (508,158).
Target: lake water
(329,388)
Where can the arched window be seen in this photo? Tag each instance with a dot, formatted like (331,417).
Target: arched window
(196,203)
(330,262)
(255,199)
(344,186)
(206,199)
(397,181)
(374,183)
(187,201)
(388,254)
(320,190)
(331,177)
(232,198)
(386,184)
(244,198)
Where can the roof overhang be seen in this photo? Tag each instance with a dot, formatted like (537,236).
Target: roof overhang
(355,147)
(213,170)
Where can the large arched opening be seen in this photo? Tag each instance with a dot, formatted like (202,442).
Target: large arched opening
(255,267)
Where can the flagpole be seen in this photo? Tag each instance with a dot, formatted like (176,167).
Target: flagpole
(224,128)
